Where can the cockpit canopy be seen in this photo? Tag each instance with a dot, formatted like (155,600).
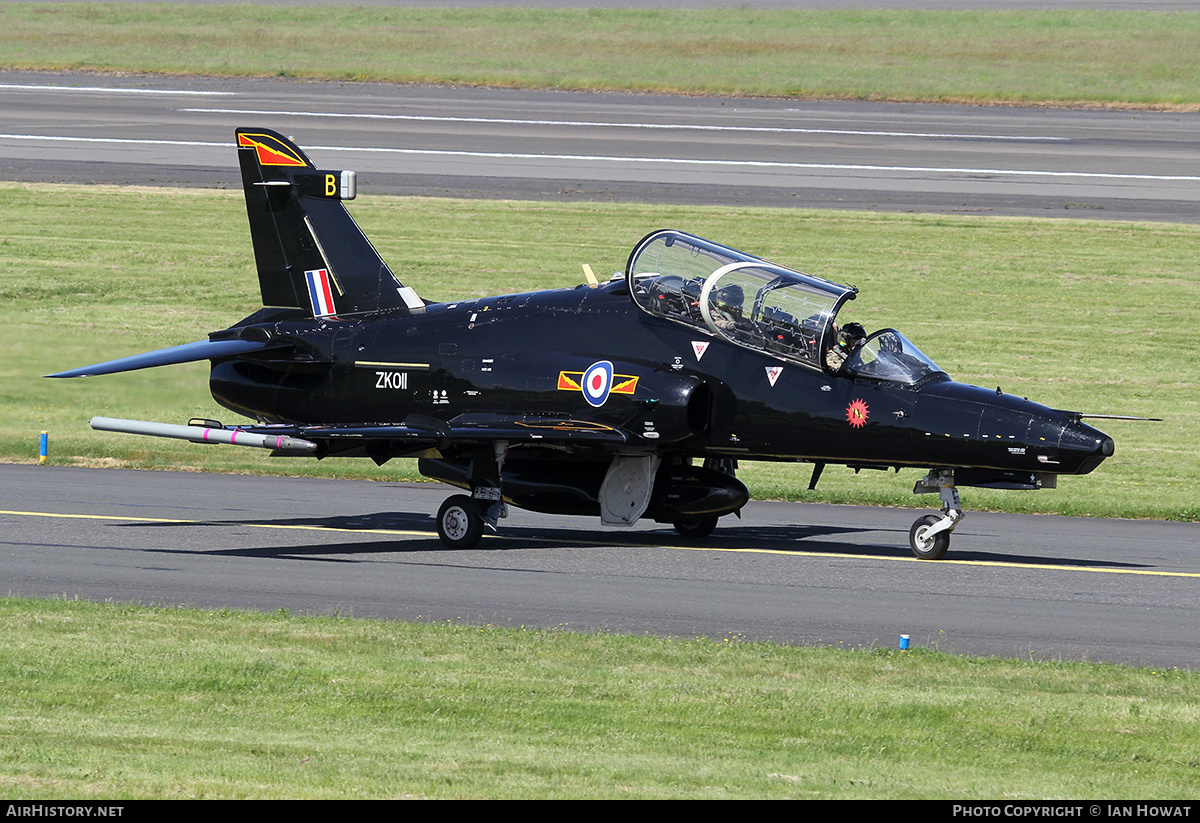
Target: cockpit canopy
(760,305)
(733,295)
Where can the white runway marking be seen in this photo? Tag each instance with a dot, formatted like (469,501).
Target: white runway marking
(585,158)
(114,90)
(663,126)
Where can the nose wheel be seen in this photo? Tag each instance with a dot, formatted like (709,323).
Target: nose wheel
(926,543)
(929,537)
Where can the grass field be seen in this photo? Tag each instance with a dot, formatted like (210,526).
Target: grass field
(117,702)
(1090,316)
(1082,56)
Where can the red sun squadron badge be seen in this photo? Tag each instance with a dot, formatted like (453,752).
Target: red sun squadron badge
(856,414)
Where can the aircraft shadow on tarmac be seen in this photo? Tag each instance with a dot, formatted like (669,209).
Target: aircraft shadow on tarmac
(778,538)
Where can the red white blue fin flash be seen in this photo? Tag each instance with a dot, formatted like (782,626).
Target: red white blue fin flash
(320,292)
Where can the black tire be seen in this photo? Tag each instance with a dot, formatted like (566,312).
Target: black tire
(699,527)
(928,548)
(459,523)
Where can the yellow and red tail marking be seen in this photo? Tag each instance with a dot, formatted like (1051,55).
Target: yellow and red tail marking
(270,151)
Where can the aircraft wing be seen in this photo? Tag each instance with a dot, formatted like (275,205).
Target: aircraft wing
(415,434)
(422,431)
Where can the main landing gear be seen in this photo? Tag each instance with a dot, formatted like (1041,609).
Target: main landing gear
(459,524)
(689,498)
(704,525)
(462,518)
(699,527)
(929,536)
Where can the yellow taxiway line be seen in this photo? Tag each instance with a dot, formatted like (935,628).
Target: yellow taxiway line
(784,552)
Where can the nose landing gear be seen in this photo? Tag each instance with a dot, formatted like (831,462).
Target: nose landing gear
(929,537)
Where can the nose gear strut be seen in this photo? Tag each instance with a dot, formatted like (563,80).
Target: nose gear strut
(929,536)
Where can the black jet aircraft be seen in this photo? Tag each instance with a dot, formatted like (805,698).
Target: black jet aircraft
(634,398)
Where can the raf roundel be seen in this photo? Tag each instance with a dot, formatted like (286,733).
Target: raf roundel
(597,382)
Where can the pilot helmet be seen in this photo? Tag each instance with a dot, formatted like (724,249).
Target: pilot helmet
(850,334)
(730,297)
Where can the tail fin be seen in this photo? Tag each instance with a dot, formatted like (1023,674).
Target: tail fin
(310,253)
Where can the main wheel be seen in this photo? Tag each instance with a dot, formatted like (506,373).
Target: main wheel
(700,527)
(924,545)
(459,523)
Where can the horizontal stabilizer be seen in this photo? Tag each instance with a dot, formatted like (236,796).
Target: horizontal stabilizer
(187,353)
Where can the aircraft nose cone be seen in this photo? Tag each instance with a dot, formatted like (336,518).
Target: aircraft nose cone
(1091,446)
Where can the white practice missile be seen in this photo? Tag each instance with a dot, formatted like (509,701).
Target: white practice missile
(201,434)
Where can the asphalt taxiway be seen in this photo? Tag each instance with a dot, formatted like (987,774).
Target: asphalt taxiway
(1027,586)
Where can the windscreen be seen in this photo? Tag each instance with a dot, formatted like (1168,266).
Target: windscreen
(889,355)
